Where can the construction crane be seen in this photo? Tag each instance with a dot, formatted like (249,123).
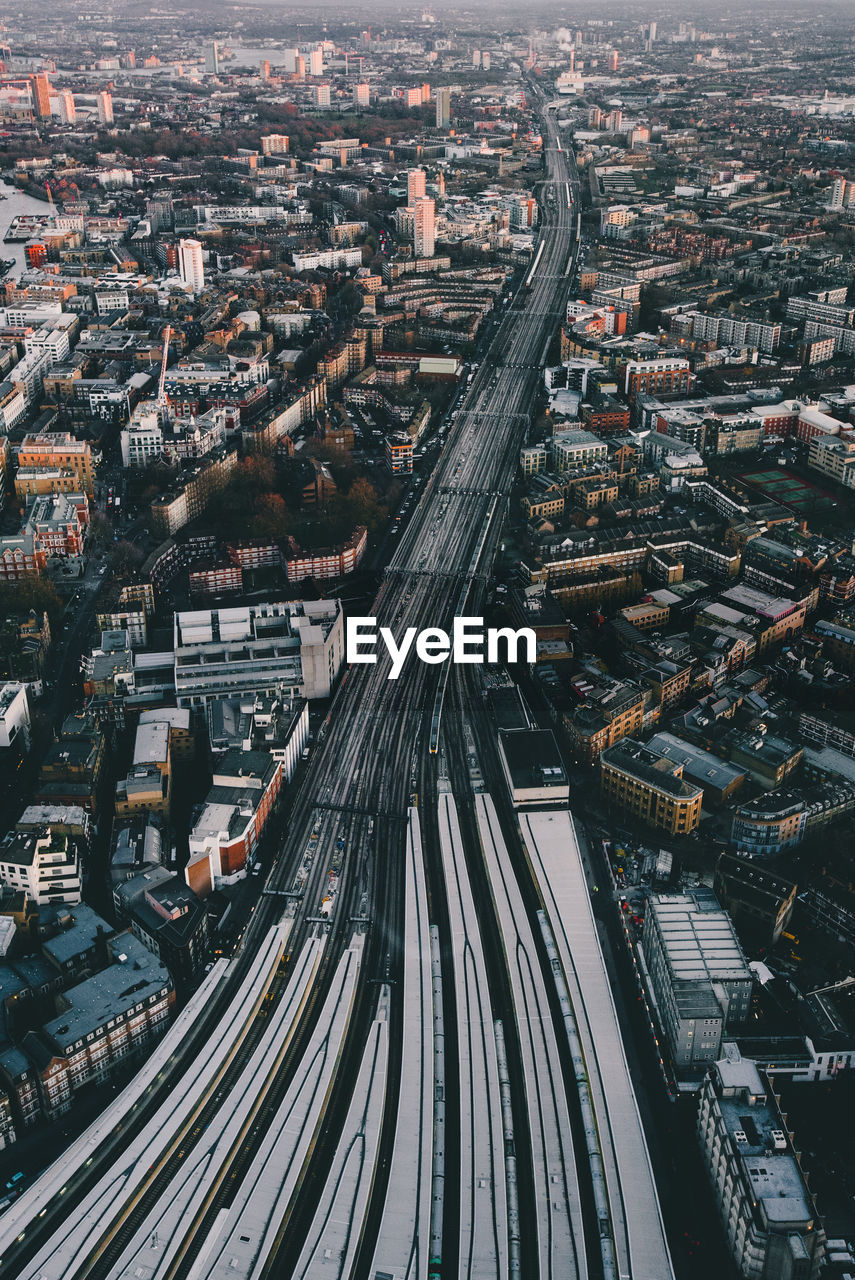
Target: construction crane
(162,398)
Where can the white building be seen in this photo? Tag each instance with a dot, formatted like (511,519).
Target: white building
(43,863)
(330,259)
(293,648)
(361,94)
(190,265)
(142,438)
(316,62)
(14,716)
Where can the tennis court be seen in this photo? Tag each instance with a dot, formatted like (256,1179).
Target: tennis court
(791,491)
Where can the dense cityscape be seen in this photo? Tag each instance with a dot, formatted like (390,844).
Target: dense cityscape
(427,639)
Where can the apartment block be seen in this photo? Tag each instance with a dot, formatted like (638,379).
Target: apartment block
(650,786)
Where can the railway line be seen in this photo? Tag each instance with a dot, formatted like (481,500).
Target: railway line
(353,838)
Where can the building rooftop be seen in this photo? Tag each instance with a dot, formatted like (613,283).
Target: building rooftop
(135,975)
(701,766)
(649,766)
(758,1135)
(698,937)
(532,757)
(79,932)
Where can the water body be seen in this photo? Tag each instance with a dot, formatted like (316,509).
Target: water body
(16,202)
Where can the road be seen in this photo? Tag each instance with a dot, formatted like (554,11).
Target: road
(348,828)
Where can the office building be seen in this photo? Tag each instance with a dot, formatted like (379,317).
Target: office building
(761,1195)
(296,647)
(650,786)
(697,975)
(212,59)
(443,108)
(423,228)
(59,451)
(190,265)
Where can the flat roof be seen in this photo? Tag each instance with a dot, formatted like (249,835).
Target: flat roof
(533,758)
(698,938)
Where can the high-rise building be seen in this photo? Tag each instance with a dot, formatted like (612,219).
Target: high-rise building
(190,265)
(67,109)
(40,91)
(289,60)
(838,193)
(613,60)
(322,96)
(212,59)
(264,69)
(105,108)
(443,108)
(423,227)
(274,144)
(614,121)
(651,33)
(416,187)
(476,57)
(413,97)
(316,62)
(361,94)
(300,67)
(486,61)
